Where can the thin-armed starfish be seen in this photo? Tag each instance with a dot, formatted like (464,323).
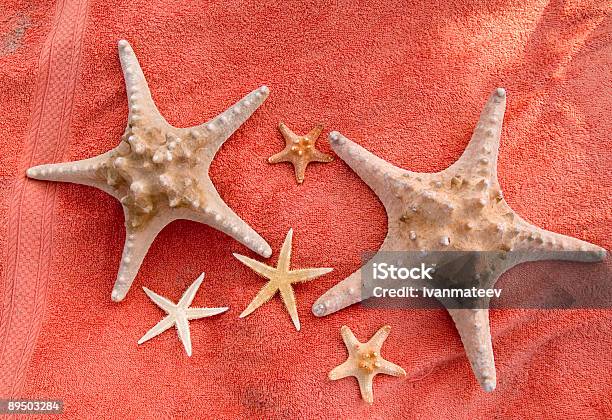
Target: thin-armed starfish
(365,361)
(300,150)
(281,279)
(179,314)
(462,209)
(159,173)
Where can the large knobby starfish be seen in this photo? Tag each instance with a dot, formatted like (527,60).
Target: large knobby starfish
(159,173)
(179,314)
(281,279)
(364,361)
(300,150)
(462,209)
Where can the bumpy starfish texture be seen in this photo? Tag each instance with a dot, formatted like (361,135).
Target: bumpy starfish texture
(179,314)
(300,150)
(159,173)
(281,279)
(462,209)
(364,361)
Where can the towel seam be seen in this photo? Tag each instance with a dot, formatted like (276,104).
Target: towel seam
(23,312)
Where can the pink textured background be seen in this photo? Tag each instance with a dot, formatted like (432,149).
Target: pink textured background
(407,81)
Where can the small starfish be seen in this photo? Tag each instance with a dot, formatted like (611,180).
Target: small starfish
(179,314)
(364,361)
(281,279)
(300,150)
(159,173)
(459,209)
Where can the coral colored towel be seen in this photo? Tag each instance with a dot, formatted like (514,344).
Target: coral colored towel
(407,80)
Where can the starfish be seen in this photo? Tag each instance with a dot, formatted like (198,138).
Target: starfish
(460,209)
(281,279)
(300,150)
(179,314)
(159,173)
(364,361)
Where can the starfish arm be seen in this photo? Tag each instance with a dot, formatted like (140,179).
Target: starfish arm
(299,167)
(315,132)
(219,215)
(382,177)
(536,244)
(190,293)
(306,274)
(379,337)
(264,295)
(257,266)
(473,327)
(343,294)
(284,256)
(164,303)
(365,386)
(389,368)
(281,156)
(350,290)
(288,135)
(159,328)
(220,128)
(480,155)
(350,341)
(318,156)
(342,371)
(84,172)
(288,296)
(182,327)
(140,101)
(234,226)
(197,313)
(136,246)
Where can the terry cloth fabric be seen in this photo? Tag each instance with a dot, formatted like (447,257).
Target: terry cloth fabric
(406,80)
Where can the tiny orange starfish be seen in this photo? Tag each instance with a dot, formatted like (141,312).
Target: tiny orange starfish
(300,150)
(365,362)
